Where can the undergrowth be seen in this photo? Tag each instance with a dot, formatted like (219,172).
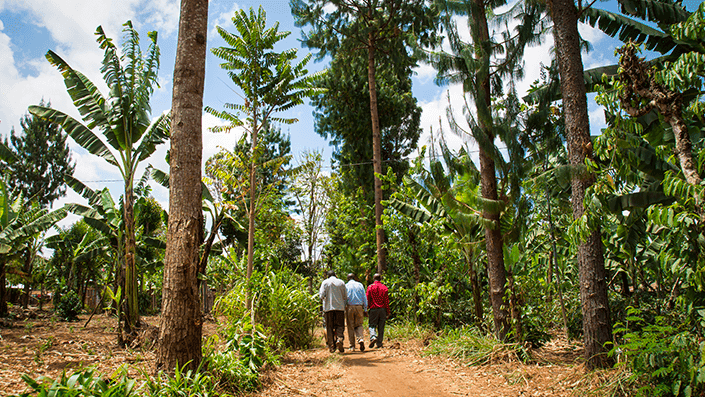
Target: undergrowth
(407,330)
(473,347)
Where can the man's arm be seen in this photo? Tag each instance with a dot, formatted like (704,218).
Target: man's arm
(322,291)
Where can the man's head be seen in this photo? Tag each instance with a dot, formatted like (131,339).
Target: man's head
(330,273)
(351,276)
(377,277)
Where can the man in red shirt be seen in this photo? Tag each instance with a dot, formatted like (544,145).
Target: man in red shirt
(378,304)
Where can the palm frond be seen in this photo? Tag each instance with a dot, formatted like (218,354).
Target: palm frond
(79,132)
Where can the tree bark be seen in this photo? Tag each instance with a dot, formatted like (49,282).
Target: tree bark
(376,154)
(494,242)
(597,327)
(639,83)
(131,307)
(181,323)
(252,210)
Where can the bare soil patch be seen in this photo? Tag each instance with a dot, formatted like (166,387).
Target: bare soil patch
(39,345)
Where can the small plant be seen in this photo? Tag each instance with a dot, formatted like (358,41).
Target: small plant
(183,383)
(82,383)
(28,327)
(41,349)
(70,306)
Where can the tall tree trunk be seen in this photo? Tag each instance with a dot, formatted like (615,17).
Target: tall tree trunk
(597,327)
(376,154)
(252,212)
(488,180)
(181,324)
(131,310)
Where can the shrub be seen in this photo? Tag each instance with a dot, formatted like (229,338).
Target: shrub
(69,306)
(665,359)
(236,367)
(283,306)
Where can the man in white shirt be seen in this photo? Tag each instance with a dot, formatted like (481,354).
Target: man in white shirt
(334,297)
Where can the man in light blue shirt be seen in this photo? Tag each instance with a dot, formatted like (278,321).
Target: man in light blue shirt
(334,297)
(354,311)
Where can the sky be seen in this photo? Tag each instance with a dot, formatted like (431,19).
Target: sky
(28,28)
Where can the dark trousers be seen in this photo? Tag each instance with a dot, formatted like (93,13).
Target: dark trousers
(378,317)
(335,326)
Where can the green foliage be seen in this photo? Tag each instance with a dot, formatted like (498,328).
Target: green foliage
(69,306)
(129,133)
(230,371)
(42,160)
(350,227)
(282,306)
(666,359)
(182,383)
(86,383)
(246,351)
(403,330)
(473,347)
(343,117)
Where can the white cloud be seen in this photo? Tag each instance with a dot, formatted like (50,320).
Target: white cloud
(434,119)
(590,34)
(597,119)
(214,141)
(425,72)
(223,20)
(163,16)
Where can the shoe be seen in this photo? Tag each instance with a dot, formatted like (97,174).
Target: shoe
(341,348)
(362,345)
(372,343)
(331,349)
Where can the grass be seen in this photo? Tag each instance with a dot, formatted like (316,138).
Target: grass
(472,347)
(407,330)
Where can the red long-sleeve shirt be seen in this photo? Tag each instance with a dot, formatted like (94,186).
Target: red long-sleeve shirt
(378,296)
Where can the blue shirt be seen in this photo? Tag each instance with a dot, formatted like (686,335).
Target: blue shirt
(356,294)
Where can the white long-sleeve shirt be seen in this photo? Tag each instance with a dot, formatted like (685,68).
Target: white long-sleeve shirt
(333,294)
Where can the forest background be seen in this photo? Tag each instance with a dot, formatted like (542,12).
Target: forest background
(435,267)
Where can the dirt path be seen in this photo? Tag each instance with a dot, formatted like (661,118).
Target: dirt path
(404,371)
(44,347)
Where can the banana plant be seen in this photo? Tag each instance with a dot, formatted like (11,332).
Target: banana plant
(20,223)
(452,195)
(117,127)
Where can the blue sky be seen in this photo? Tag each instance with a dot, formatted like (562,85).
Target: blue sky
(28,28)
